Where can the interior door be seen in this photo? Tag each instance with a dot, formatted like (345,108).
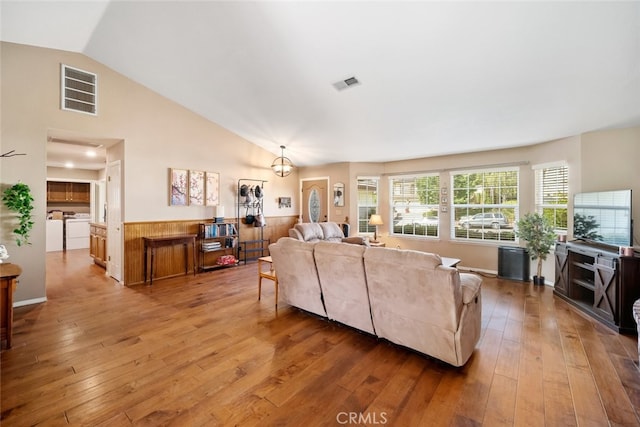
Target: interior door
(314,200)
(114,220)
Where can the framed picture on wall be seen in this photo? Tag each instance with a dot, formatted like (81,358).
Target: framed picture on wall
(178,187)
(212,188)
(338,194)
(196,188)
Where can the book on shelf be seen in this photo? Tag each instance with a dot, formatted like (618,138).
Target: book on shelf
(208,246)
(219,230)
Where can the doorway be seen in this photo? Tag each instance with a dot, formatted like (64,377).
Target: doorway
(88,156)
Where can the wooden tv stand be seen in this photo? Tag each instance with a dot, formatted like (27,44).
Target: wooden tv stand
(598,281)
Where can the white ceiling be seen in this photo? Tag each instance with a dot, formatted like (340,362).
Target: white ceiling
(436,77)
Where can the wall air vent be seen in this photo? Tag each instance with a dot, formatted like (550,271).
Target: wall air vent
(349,82)
(79,90)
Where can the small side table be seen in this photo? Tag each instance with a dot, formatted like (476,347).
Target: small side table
(271,275)
(8,278)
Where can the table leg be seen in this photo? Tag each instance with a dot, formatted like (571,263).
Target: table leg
(193,244)
(145,263)
(186,258)
(153,254)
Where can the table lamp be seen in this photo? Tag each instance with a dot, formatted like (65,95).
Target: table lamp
(376,220)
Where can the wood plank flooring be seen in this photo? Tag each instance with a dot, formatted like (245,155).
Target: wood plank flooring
(203,350)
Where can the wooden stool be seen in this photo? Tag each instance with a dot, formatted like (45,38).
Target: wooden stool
(271,275)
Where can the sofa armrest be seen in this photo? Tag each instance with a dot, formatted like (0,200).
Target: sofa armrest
(470,284)
(356,240)
(293,233)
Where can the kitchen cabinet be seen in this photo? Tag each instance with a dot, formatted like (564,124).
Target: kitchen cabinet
(75,192)
(98,244)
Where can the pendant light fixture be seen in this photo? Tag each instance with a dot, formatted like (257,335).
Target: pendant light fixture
(282,166)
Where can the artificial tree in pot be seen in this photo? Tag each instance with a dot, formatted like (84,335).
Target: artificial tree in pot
(539,236)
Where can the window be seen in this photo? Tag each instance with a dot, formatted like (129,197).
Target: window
(485,204)
(552,194)
(367,203)
(415,204)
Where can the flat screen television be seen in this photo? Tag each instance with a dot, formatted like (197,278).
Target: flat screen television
(603,217)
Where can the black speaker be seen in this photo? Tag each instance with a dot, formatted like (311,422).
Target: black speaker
(513,263)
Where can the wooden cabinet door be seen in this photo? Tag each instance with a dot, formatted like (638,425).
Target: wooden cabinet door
(562,272)
(102,249)
(605,300)
(93,244)
(79,192)
(56,191)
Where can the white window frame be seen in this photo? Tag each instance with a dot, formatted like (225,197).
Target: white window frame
(484,234)
(543,202)
(411,215)
(372,207)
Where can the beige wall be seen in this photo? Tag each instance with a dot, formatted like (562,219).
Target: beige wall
(596,160)
(158,134)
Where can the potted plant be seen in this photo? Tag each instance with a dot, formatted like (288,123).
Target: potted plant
(539,236)
(18,198)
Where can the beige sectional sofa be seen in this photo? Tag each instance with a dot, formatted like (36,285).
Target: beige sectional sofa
(404,296)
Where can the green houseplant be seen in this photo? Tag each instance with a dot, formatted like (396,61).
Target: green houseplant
(18,198)
(539,236)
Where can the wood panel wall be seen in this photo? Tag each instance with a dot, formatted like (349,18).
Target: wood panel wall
(169,260)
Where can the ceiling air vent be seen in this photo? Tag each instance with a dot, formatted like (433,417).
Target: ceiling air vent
(343,84)
(79,90)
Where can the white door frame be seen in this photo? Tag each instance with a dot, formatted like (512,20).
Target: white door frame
(114,220)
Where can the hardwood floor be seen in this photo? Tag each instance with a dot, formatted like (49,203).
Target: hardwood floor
(203,350)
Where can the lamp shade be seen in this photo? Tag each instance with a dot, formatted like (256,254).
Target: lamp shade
(282,166)
(375,219)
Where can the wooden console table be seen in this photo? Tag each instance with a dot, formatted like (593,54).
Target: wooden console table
(176,239)
(8,277)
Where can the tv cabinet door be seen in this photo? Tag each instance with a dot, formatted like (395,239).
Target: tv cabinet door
(606,288)
(560,284)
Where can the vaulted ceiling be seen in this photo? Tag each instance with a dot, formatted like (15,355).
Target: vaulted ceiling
(434,77)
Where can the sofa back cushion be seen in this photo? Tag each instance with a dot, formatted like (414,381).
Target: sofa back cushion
(411,291)
(310,231)
(331,231)
(297,274)
(344,284)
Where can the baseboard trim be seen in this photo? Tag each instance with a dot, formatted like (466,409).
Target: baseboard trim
(29,302)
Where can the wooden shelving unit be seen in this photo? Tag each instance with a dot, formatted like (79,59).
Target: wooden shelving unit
(216,239)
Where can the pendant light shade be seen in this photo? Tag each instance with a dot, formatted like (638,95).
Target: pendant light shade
(282,166)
